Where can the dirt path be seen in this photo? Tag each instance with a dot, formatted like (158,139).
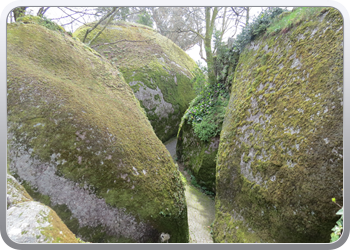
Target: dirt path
(200,208)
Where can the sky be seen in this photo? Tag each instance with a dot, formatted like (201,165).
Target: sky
(194,52)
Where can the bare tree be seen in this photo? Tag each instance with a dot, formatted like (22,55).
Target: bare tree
(109,17)
(204,22)
(73,17)
(42,11)
(169,20)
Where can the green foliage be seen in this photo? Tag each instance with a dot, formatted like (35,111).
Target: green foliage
(273,21)
(199,81)
(145,19)
(51,25)
(205,129)
(338,228)
(224,60)
(207,111)
(194,181)
(255,28)
(122,14)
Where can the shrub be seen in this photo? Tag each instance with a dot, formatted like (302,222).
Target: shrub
(206,112)
(205,129)
(255,28)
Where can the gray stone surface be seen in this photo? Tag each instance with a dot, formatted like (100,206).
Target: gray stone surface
(26,221)
(84,205)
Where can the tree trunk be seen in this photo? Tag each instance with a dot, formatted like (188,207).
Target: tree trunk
(18,12)
(210,23)
(42,11)
(247,17)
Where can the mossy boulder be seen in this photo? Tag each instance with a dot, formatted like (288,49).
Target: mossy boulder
(197,155)
(280,156)
(80,143)
(157,70)
(28,221)
(15,192)
(33,222)
(41,21)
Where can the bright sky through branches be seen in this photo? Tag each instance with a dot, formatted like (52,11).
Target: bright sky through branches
(63,17)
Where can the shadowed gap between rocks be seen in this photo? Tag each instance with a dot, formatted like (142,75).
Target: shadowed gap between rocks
(200,208)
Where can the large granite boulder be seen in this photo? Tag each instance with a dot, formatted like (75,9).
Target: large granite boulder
(28,221)
(280,156)
(15,192)
(80,142)
(157,70)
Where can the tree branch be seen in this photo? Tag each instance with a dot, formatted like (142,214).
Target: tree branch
(100,21)
(190,30)
(109,20)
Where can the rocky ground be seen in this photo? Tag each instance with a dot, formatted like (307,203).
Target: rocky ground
(200,207)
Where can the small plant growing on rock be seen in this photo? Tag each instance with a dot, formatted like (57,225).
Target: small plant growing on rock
(338,228)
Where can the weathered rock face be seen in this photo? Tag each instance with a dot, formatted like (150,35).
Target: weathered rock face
(28,221)
(157,70)
(15,192)
(280,156)
(198,155)
(81,144)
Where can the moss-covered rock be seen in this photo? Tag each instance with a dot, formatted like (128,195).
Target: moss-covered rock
(199,156)
(32,222)
(280,155)
(41,21)
(15,192)
(157,70)
(80,142)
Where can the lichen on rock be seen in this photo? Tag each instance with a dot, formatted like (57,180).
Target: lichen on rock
(32,222)
(15,192)
(28,221)
(280,156)
(157,70)
(81,144)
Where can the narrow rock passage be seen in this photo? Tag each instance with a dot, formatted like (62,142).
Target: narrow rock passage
(200,208)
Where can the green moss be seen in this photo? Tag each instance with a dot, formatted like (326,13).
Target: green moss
(66,100)
(290,146)
(58,231)
(20,189)
(287,20)
(41,21)
(143,55)
(197,155)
